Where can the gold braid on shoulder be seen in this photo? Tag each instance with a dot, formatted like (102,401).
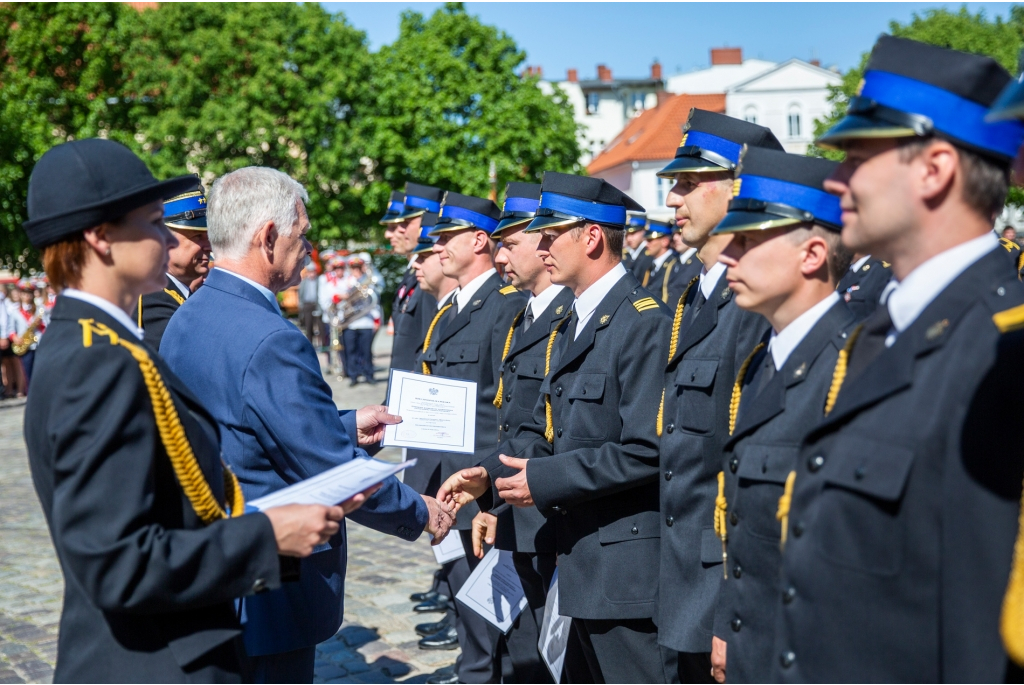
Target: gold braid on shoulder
(504,354)
(172,434)
(839,373)
(430,334)
(737,388)
(782,515)
(673,344)
(175,295)
(140,311)
(664,282)
(549,425)
(721,507)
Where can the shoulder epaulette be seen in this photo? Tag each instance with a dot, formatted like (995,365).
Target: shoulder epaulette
(508,290)
(1010,319)
(642,305)
(1008,244)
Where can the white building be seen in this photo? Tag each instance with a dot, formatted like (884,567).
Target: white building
(787,98)
(727,69)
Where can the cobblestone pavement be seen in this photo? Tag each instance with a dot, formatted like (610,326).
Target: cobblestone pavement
(376,644)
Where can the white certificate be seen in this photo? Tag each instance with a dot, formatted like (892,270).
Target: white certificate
(334,485)
(449,549)
(437,413)
(494,591)
(554,634)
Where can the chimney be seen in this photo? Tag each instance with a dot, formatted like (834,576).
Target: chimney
(539,71)
(656,71)
(816,62)
(603,73)
(726,56)
(572,76)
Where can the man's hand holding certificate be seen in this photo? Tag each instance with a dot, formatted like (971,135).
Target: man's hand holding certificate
(437,413)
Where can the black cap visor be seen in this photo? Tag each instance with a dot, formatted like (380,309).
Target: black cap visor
(867,119)
(185,223)
(756,215)
(447,224)
(423,247)
(692,159)
(514,220)
(409,213)
(390,218)
(1009,104)
(547,218)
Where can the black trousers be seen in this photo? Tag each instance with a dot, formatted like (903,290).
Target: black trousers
(517,652)
(688,667)
(616,651)
(310,323)
(477,638)
(359,353)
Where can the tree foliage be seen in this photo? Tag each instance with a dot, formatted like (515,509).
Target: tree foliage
(207,88)
(961,30)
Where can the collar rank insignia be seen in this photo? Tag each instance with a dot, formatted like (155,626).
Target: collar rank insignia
(558,312)
(605,319)
(800,371)
(725,293)
(476,302)
(644,304)
(936,329)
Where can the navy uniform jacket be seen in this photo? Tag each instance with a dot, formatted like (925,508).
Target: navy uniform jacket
(524,529)
(149,588)
(411,313)
(669,280)
(469,346)
(157,309)
(598,479)
(862,288)
(905,506)
(698,383)
(759,455)
(641,264)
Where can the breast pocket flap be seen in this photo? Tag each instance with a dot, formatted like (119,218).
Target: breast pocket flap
(767,463)
(696,373)
(528,367)
(876,469)
(463,353)
(710,547)
(646,524)
(587,386)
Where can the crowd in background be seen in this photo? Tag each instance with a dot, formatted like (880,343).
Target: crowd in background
(24,314)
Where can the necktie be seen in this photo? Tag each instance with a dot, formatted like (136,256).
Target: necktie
(573,320)
(871,341)
(767,372)
(528,318)
(698,302)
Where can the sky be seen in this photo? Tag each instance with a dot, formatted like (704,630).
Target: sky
(629,36)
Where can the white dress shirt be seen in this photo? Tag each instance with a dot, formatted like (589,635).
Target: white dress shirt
(906,299)
(709,279)
(109,307)
(686,255)
(658,261)
(538,303)
(635,254)
(185,292)
(859,263)
(442,301)
(586,304)
(262,288)
(464,295)
(782,344)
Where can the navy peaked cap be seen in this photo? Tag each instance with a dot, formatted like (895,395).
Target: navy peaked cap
(712,142)
(568,199)
(635,221)
(83,183)
(774,188)
(659,227)
(396,205)
(188,210)
(912,89)
(521,201)
(459,212)
(420,199)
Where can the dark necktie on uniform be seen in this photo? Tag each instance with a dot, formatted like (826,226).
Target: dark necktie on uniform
(767,372)
(698,302)
(871,341)
(570,334)
(528,317)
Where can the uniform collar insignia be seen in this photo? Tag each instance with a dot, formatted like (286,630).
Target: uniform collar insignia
(936,329)
(800,371)
(725,293)
(558,311)
(476,302)
(605,319)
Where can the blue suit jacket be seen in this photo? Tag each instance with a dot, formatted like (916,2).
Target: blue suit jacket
(260,378)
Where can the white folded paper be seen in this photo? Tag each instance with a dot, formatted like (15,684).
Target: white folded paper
(554,634)
(494,591)
(437,413)
(334,485)
(449,549)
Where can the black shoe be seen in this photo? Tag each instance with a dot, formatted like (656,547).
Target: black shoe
(445,639)
(423,596)
(443,675)
(439,603)
(353,383)
(428,629)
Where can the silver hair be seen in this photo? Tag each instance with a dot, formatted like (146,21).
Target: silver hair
(243,201)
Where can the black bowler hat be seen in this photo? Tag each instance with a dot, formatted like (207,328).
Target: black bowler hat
(712,142)
(81,184)
(420,200)
(396,205)
(635,221)
(912,89)
(521,202)
(568,199)
(459,212)
(774,189)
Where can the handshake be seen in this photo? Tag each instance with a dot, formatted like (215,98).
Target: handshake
(300,528)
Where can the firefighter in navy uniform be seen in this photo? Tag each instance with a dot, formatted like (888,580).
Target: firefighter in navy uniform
(588,458)
(187,263)
(902,512)
(145,518)
(524,532)
(466,340)
(634,251)
(784,261)
(664,277)
(710,338)
(863,283)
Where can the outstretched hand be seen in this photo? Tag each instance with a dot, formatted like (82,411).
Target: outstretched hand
(440,519)
(370,423)
(464,486)
(515,489)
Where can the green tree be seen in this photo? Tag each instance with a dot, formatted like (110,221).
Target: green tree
(961,30)
(449,102)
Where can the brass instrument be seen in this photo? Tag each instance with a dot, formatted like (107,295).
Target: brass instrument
(360,302)
(22,344)
(335,349)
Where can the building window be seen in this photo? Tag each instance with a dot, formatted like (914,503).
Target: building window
(638,102)
(794,121)
(593,99)
(750,114)
(661,191)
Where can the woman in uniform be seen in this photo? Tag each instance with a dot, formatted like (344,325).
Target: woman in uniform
(147,523)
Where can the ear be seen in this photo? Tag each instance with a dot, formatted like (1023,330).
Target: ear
(98,238)
(265,239)
(938,167)
(593,238)
(815,256)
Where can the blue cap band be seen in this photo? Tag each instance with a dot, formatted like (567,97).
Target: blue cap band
(422,203)
(181,205)
(819,203)
(481,221)
(520,204)
(396,208)
(606,214)
(708,141)
(637,221)
(951,114)
(659,228)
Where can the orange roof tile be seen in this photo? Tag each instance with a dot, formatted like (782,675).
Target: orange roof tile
(656,133)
